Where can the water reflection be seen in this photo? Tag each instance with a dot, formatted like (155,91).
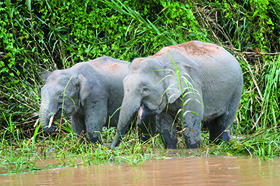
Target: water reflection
(182,171)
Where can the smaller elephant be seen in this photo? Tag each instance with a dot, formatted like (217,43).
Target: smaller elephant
(90,92)
(201,82)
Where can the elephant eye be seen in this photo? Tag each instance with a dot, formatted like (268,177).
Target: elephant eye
(145,89)
(60,98)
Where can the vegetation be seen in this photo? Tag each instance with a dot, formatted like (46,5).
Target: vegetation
(46,35)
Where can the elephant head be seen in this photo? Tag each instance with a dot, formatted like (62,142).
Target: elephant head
(150,85)
(63,92)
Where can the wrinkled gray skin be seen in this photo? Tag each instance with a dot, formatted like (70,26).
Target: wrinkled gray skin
(216,80)
(96,92)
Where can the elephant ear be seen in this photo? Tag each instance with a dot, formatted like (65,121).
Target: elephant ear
(175,72)
(84,88)
(44,75)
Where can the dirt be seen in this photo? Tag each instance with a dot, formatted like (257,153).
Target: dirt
(191,48)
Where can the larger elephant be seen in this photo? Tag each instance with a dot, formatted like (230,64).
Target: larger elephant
(200,81)
(90,92)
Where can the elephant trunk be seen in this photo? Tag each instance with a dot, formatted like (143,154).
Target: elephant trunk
(129,108)
(46,119)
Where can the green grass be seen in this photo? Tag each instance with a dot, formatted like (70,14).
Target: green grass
(19,154)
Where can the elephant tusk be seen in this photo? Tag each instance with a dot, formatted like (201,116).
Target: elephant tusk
(37,121)
(50,123)
(140,112)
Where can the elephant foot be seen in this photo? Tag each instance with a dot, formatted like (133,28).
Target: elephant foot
(193,145)
(116,141)
(170,141)
(144,138)
(50,129)
(218,137)
(94,138)
(225,136)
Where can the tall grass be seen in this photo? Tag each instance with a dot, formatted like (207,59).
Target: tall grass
(27,155)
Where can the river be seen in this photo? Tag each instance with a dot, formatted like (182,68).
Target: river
(222,170)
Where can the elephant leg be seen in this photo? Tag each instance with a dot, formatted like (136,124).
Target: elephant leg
(214,130)
(95,119)
(147,128)
(193,112)
(78,124)
(192,131)
(166,127)
(220,127)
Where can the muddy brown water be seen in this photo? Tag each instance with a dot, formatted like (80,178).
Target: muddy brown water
(181,171)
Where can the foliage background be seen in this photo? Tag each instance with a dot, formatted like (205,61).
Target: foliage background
(44,35)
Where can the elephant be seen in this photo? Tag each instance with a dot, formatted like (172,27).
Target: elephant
(199,82)
(90,92)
